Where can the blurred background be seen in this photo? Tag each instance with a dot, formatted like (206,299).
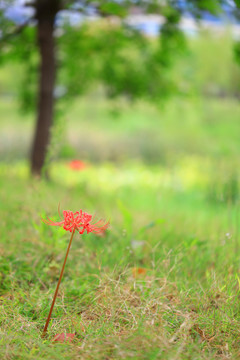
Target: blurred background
(145,93)
(130,85)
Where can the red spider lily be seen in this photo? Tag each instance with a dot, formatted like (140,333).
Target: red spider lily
(79,221)
(77,165)
(101,233)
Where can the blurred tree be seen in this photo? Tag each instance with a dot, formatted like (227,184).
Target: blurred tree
(111,51)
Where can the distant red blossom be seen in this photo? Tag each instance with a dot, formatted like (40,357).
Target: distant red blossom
(79,221)
(77,165)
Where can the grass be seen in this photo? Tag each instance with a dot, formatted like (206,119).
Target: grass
(164,281)
(205,128)
(162,284)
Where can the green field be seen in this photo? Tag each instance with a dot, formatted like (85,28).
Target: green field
(164,281)
(162,284)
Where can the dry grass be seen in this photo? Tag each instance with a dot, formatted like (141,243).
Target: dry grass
(162,284)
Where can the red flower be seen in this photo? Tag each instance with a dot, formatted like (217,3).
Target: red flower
(77,165)
(79,221)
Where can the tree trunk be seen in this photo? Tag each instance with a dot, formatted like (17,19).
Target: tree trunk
(45,14)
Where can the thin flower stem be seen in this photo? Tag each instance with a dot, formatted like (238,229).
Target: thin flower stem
(58,284)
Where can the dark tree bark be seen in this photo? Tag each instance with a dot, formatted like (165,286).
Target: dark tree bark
(46,11)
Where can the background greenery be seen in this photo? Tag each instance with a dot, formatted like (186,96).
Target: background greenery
(163,283)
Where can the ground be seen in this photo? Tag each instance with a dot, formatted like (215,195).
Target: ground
(162,283)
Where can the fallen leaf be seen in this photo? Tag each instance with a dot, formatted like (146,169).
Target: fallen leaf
(63,337)
(136,271)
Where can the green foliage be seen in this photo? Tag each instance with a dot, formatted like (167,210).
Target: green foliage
(135,66)
(237,2)
(216,78)
(120,58)
(113,9)
(237,51)
(213,6)
(22,50)
(199,6)
(109,52)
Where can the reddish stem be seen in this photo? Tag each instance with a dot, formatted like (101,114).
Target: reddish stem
(58,284)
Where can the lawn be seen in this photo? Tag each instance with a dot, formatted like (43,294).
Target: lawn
(162,283)
(118,131)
